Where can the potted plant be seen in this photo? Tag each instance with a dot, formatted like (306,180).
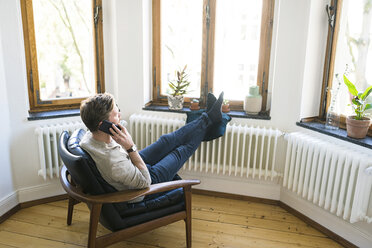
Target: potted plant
(194,105)
(357,125)
(178,89)
(225,106)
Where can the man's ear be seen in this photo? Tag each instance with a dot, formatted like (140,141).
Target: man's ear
(99,124)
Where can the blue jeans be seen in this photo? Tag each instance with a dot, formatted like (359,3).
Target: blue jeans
(166,156)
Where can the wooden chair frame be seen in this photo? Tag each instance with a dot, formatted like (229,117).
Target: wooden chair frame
(95,202)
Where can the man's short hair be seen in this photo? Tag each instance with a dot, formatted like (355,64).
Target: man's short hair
(95,109)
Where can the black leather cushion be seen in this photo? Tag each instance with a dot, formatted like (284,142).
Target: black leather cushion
(79,168)
(167,198)
(121,215)
(74,147)
(151,215)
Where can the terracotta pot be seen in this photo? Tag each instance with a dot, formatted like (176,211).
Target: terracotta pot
(357,129)
(225,108)
(194,106)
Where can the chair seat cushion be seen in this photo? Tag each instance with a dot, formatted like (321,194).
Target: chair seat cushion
(168,198)
(154,214)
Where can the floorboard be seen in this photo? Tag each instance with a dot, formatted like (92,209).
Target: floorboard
(217,222)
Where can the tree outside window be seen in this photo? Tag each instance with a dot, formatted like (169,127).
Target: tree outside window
(63,41)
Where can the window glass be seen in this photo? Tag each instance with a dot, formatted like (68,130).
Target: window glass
(237,46)
(181,42)
(353,52)
(64,46)
(225,45)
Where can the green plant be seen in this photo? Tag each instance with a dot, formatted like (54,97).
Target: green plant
(180,85)
(359,99)
(225,101)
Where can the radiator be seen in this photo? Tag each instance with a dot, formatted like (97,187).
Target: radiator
(329,175)
(243,151)
(47,137)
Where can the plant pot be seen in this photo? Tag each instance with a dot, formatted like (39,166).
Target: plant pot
(225,108)
(357,129)
(175,102)
(194,106)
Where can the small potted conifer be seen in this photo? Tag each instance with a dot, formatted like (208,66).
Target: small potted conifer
(178,89)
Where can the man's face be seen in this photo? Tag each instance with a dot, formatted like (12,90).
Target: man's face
(114,116)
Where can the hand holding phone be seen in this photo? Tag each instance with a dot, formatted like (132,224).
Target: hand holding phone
(106,125)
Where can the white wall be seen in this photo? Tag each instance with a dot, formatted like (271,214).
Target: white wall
(7,192)
(131,53)
(22,141)
(296,69)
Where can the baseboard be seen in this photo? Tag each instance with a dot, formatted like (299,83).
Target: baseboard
(43,201)
(8,205)
(234,185)
(343,232)
(39,192)
(235,196)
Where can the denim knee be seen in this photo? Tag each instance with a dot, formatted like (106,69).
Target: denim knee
(167,138)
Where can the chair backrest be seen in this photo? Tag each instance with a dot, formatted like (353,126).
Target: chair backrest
(84,173)
(73,146)
(78,166)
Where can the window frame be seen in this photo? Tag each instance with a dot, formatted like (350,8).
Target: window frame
(328,70)
(207,62)
(36,104)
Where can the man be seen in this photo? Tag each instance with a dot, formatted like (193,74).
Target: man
(116,155)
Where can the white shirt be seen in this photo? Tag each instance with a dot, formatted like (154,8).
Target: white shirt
(114,164)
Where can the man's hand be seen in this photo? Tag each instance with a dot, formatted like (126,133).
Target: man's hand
(122,136)
(125,140)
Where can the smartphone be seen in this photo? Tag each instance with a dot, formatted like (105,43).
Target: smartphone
(106,125)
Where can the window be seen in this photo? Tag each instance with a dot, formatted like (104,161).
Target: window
(349,50)
(225,45)
(64,52)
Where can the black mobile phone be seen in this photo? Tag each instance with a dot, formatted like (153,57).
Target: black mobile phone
(106,125)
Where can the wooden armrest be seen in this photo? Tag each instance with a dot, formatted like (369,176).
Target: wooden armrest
(122,196)
(128,195)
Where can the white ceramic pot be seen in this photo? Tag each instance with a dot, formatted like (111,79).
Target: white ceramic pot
(253,101)
(175,102)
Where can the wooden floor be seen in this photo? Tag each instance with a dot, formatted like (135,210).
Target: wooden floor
(217,222)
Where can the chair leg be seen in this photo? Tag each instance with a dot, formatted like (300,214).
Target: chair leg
(187,192)
(95,212)
(71,203)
